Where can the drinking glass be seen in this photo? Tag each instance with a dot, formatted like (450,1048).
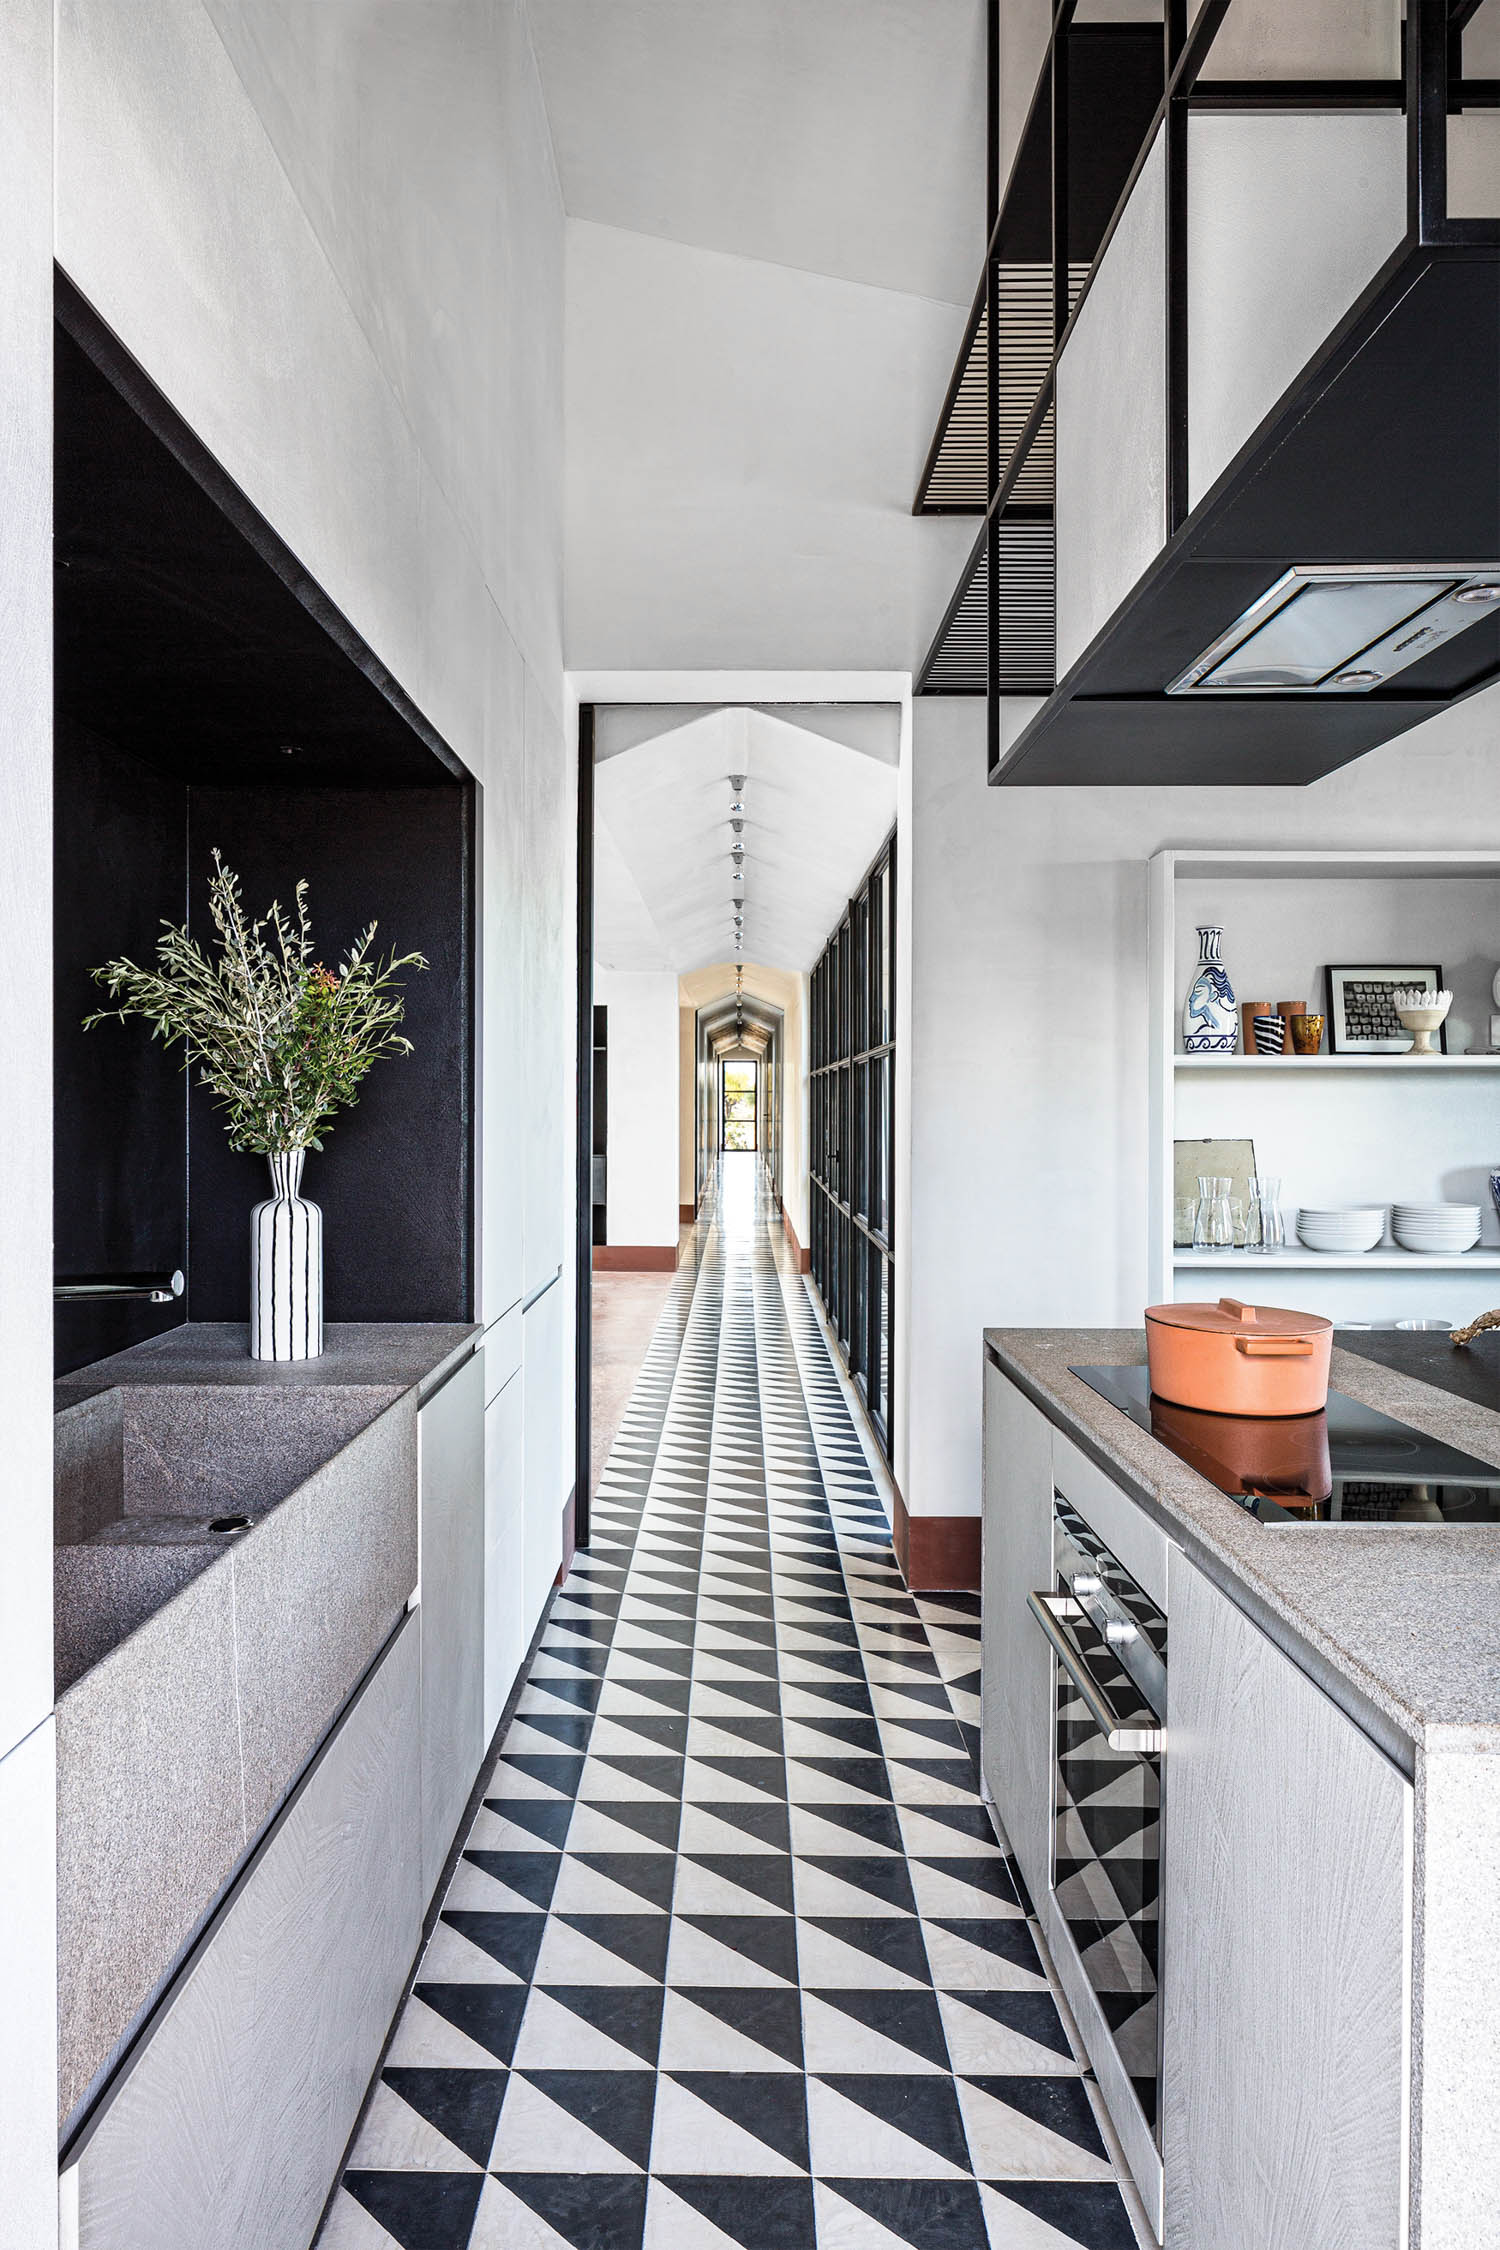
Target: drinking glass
(1213,1227)
(1185,1212)
(1265,1228)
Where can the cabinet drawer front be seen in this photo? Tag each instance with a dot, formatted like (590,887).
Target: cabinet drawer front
(1286,1886)
(227,2125)
(1121,1522)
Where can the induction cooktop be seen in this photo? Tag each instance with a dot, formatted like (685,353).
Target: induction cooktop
(1347,1465)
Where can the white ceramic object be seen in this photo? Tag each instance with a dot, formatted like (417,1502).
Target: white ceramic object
(1348,1231)
(1436,1229)
(1420,1013)
(286,1268)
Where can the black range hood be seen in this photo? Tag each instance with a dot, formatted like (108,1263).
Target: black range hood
(1384,456)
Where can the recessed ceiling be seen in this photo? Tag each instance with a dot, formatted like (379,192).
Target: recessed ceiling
(842,137)
(816,812)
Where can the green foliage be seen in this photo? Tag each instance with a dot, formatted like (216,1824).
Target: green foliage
(282,1042)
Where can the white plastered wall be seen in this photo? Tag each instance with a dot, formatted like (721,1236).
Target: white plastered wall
(643,1035)
(333,237)
(1028,1036)
(28,1983)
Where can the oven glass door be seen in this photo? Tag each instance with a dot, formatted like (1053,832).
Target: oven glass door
(1106,1845)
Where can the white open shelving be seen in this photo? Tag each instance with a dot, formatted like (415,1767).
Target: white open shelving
(1315,1066)
(1336,1129)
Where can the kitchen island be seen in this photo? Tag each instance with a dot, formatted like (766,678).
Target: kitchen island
(1329,1835)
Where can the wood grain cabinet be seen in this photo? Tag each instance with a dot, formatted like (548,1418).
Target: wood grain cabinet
(227,2124)
(1286,1886)
(451,1566)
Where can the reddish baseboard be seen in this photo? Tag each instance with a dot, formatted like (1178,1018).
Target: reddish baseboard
(936,1554)
(569,1542)
(686,1213)
(635,1257)
(803,1257)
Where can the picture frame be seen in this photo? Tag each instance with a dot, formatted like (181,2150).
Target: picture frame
(1361,1019)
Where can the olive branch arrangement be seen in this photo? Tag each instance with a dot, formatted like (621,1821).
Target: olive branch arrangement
(282,1042)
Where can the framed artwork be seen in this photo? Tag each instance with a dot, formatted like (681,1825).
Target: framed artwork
(1231,1160)
(1361,1018)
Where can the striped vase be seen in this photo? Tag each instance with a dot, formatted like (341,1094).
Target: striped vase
(286,1268)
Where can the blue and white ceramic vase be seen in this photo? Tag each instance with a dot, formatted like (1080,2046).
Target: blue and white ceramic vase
(1210,1020)
(286,1268)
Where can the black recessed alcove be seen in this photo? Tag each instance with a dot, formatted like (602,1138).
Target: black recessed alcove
(208,693)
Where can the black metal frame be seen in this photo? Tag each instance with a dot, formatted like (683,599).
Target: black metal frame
(1430,89)
(583,1354)
(851,1136)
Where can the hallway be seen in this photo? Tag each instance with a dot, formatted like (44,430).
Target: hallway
(731,1957)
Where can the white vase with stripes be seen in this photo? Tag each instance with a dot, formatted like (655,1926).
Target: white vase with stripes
(286,1268)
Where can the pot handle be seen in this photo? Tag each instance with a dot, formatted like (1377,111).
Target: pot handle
(1238,1311)
(1274,1347)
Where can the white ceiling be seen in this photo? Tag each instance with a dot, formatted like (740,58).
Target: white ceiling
(842,137)
(816,812)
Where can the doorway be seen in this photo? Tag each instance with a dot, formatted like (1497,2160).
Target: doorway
(739,1107)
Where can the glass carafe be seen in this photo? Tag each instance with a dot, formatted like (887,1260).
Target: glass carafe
(1264,1228)
(1213,1228)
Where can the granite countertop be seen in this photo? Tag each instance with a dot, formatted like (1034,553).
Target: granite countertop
(1400,1624)
(401,1355)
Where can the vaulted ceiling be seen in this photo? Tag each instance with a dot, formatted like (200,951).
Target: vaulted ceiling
(843,137)
(819,798)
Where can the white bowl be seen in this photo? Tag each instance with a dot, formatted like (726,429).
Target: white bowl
(1345,1231)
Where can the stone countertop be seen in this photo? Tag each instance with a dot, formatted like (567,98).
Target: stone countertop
(1400,1624)
(400,1355)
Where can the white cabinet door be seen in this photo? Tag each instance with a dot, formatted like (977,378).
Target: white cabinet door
(450,1490)
(1016,1671)
(227,2123)
(1285,1916)
(505,1634)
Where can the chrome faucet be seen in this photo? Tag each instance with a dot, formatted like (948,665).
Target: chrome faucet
(154,1288)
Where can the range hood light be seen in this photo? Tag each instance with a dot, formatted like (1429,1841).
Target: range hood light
(1340,627)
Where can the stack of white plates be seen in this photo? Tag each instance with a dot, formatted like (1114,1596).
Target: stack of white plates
(1358,1228)
(1442,1229)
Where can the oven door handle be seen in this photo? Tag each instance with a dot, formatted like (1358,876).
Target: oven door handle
(1050,1610)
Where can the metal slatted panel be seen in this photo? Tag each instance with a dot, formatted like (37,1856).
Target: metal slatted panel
(955,477)
(957,663)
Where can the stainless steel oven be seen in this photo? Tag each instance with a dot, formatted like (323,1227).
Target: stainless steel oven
(1109,1640)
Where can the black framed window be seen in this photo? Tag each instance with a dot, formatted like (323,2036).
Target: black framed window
(851,1161)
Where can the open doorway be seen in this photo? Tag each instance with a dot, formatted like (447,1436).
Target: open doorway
(739,1106)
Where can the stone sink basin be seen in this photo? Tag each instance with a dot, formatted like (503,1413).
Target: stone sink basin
(198,1670)
(152,1482)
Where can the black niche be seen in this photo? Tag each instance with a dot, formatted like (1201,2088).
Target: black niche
(392,1178)
(209,693)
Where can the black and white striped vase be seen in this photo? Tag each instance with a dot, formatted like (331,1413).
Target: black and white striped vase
(286,1268)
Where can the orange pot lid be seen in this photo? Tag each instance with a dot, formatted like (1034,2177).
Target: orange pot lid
(1231,1317)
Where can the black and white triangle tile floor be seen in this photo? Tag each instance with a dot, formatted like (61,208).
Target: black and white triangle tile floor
(733,1959)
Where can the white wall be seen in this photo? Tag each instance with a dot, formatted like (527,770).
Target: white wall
(28,1988)
(333,236)
(743,444)
(1028,1028)
(643,1036)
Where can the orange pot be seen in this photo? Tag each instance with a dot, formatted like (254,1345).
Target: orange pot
(1233,1358)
